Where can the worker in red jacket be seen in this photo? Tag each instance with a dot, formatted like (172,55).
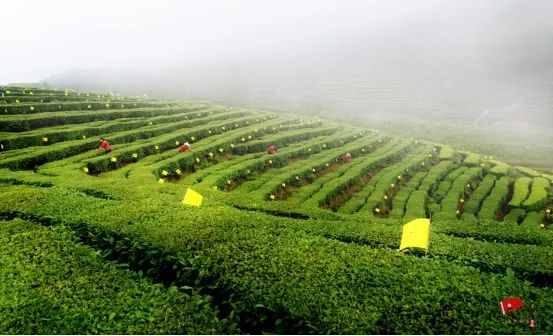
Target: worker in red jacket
(184,147)
(347,157)
(271,149)
(104,145)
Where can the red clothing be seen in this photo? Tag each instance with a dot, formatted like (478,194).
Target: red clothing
(272,149)
(184,147)
(105,145)
(347,158)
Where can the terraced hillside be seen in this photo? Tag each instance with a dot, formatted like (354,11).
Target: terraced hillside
(299,241)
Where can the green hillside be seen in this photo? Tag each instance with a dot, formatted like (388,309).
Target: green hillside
(293,242)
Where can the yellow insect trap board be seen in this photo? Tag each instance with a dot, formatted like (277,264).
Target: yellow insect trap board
(416,234)
(192,197)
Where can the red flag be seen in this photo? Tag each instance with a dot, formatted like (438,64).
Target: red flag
(510,305)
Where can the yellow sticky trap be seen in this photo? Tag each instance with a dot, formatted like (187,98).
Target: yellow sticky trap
(192,138)
(309,149)
(214,187)
(134,155)
(392,185)
(231,145)
(85,169)
(297,178)
(270,161)
(313,169)
(548,211)
(107,105)
(542,226)
(198,160)
(416,234)
(164,172)
(223,128)
(114,159)
(45,139)
(461,201)
(221,150)
(210,154)
(177,143)
(326,164)
(399,177)
(161,180)
(150,123)
(208,132)
(17,101)
(243,139)
(429,155)
(84,137)
(377,210)
(272,197)
(157,147)
(178,171)
(255,130)
(229,182)
(324,145)
(283,185)
(89,106)
(249,137)
(32,108)
(385,197)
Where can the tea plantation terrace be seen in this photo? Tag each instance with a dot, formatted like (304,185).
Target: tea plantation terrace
(299,241)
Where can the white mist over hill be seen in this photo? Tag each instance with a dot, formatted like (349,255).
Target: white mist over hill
(470,63)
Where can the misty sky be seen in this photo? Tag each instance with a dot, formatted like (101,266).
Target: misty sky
(42,38)
(445,55)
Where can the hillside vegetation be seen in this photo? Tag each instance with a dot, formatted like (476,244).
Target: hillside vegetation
(299,241)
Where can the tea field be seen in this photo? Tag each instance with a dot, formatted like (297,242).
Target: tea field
(293,242)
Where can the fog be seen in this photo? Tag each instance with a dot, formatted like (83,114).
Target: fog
(478,63)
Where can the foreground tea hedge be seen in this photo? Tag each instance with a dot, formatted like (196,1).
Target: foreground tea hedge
(291,275)
(52,285)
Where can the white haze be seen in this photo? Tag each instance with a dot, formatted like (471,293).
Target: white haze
(477,62)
